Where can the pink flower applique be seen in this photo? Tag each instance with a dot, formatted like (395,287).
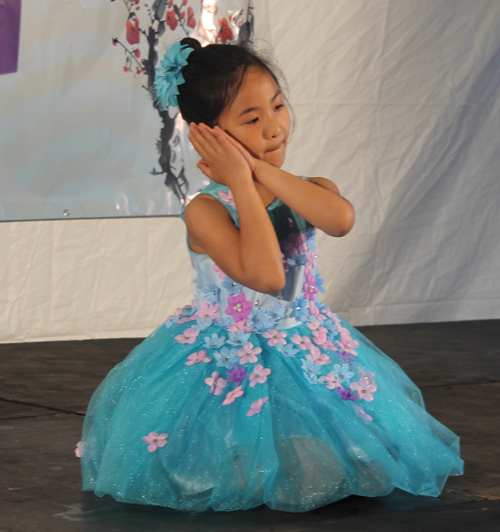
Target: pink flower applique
(258,375)
(216,383)
(310,288)
(215,268)
(256,406)
(200,356)
(275,337)
(239,325)
(314,310)
(176,314)
(368,374)
(79,449)
(238,307)
(345,339)
(207,311)
(248,353)
(319,358)
(227,197)
(314,257)
(360,412)
(364,389)
(319,336)
(155,440)
(303,342)
(332,381)
(314,325)
(232,395)
(184,320)
(188,336)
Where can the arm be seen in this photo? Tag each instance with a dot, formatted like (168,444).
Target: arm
(251,254)
(318,200)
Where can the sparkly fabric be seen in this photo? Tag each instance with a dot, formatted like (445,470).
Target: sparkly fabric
(242,398)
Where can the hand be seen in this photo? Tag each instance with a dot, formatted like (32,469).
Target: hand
(251,160)
(221,161)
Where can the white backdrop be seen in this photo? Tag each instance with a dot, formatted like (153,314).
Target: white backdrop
(398,103)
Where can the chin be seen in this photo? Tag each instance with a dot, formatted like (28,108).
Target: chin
(275,159)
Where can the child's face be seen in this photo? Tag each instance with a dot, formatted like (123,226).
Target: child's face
(259,118)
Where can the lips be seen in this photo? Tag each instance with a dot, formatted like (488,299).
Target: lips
(275,148)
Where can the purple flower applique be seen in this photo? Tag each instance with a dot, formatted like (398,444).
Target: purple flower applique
(296,243)
(346,394)
(236,375)
(238,307)
(232,395)
(346,357)
(256,406)
(155,440)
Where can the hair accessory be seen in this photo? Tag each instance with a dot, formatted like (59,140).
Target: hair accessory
(169,75)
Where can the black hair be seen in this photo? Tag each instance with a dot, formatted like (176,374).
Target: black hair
(213,78)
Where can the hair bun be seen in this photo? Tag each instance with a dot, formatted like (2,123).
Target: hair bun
(192,43)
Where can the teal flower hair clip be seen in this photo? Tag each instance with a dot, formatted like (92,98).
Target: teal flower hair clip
(169,74)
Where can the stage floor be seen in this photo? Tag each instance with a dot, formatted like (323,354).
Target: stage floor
(45,388)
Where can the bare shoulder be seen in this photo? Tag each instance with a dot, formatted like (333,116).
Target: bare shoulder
(206,220)
(325,183)
(201,207)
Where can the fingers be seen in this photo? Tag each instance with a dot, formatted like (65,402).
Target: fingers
(203,166)
(205,138)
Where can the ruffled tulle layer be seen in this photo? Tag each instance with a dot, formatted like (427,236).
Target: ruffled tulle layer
(159,431)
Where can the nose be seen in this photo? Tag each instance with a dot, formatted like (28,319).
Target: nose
(273,127)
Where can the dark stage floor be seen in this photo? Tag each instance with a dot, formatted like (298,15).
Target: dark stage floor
(45,387)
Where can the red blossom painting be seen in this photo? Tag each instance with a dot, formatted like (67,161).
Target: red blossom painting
(146,24)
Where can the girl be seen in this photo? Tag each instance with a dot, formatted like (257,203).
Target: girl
(256,393)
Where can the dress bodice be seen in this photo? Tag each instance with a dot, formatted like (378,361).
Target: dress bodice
(284,309)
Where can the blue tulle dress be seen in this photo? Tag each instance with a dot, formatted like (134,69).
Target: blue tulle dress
(242,398)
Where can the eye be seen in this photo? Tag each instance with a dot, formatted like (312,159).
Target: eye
(279,106)
(253,121)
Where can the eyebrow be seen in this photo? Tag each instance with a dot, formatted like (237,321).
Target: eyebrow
(250,109)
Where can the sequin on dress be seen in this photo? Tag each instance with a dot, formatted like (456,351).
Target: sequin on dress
(243,398)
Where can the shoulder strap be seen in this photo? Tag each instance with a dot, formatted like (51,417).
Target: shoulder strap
(222,194)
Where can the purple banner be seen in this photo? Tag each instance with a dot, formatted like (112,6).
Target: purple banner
(10,24)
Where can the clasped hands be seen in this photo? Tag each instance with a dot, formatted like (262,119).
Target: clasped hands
(223,158)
